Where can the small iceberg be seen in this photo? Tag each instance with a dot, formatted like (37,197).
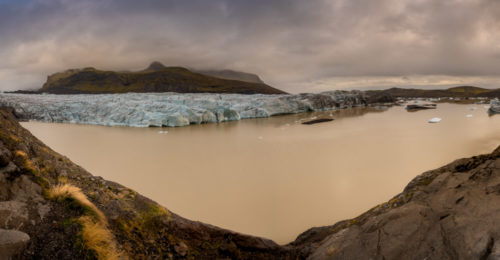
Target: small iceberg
(494,106)
(435,120)
(163,132)
(468,115)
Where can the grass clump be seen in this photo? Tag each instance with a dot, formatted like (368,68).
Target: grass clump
(68,191)
(97,237)
(144,220)
(95,233)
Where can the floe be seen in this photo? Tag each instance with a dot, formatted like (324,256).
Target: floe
(468,115)
(170,109)
(435,120)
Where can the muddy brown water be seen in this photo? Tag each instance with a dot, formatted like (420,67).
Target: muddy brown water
(275,177)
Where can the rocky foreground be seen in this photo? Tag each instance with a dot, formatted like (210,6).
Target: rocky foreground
(449,213)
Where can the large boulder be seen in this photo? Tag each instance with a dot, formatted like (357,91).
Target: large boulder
(12,243)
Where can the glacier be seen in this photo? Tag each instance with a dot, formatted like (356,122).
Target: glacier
(170,109)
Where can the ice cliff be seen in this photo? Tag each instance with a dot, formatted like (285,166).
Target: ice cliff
(170,109)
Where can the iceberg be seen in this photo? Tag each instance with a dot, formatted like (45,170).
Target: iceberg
(170,109)
(494,106)
(435,120)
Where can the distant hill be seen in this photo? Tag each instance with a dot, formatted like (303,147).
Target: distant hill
(461,91)
(231,75)
(156,78)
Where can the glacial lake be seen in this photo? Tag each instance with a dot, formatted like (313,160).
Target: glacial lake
(275,177)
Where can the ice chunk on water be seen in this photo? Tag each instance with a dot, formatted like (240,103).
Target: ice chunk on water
(468,115)
(435,120)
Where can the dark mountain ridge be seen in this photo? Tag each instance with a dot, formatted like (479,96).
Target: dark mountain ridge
(459,91)
(156,78)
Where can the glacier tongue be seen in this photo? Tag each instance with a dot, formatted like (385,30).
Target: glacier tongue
(170,109)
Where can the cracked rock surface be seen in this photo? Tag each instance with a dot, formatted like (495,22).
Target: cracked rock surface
(449,213)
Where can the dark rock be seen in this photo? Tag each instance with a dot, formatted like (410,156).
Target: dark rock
(316,121)
(4,157)
(415,107)
(380,99)
(449,213)
(181,249)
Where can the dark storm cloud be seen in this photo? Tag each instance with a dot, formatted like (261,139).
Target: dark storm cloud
(295,45)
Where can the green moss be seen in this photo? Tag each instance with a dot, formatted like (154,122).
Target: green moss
(67,222)
(9,140)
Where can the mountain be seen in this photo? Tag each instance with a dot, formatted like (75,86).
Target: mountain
(231,75)
(156,78)
(460,91)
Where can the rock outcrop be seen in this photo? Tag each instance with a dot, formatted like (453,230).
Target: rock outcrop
(449,213)
(156,78)
(12,243)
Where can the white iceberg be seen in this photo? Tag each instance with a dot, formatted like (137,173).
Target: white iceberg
(435,120)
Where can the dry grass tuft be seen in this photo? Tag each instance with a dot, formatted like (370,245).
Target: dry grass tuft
(26,162)
(97,237)
(95,234)
(20,153)
(63,191)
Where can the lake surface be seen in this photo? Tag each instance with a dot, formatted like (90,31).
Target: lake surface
(275,177)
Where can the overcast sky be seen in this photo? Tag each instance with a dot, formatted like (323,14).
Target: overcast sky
(295,45)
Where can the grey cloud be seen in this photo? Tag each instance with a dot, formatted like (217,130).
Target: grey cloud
(294,45)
